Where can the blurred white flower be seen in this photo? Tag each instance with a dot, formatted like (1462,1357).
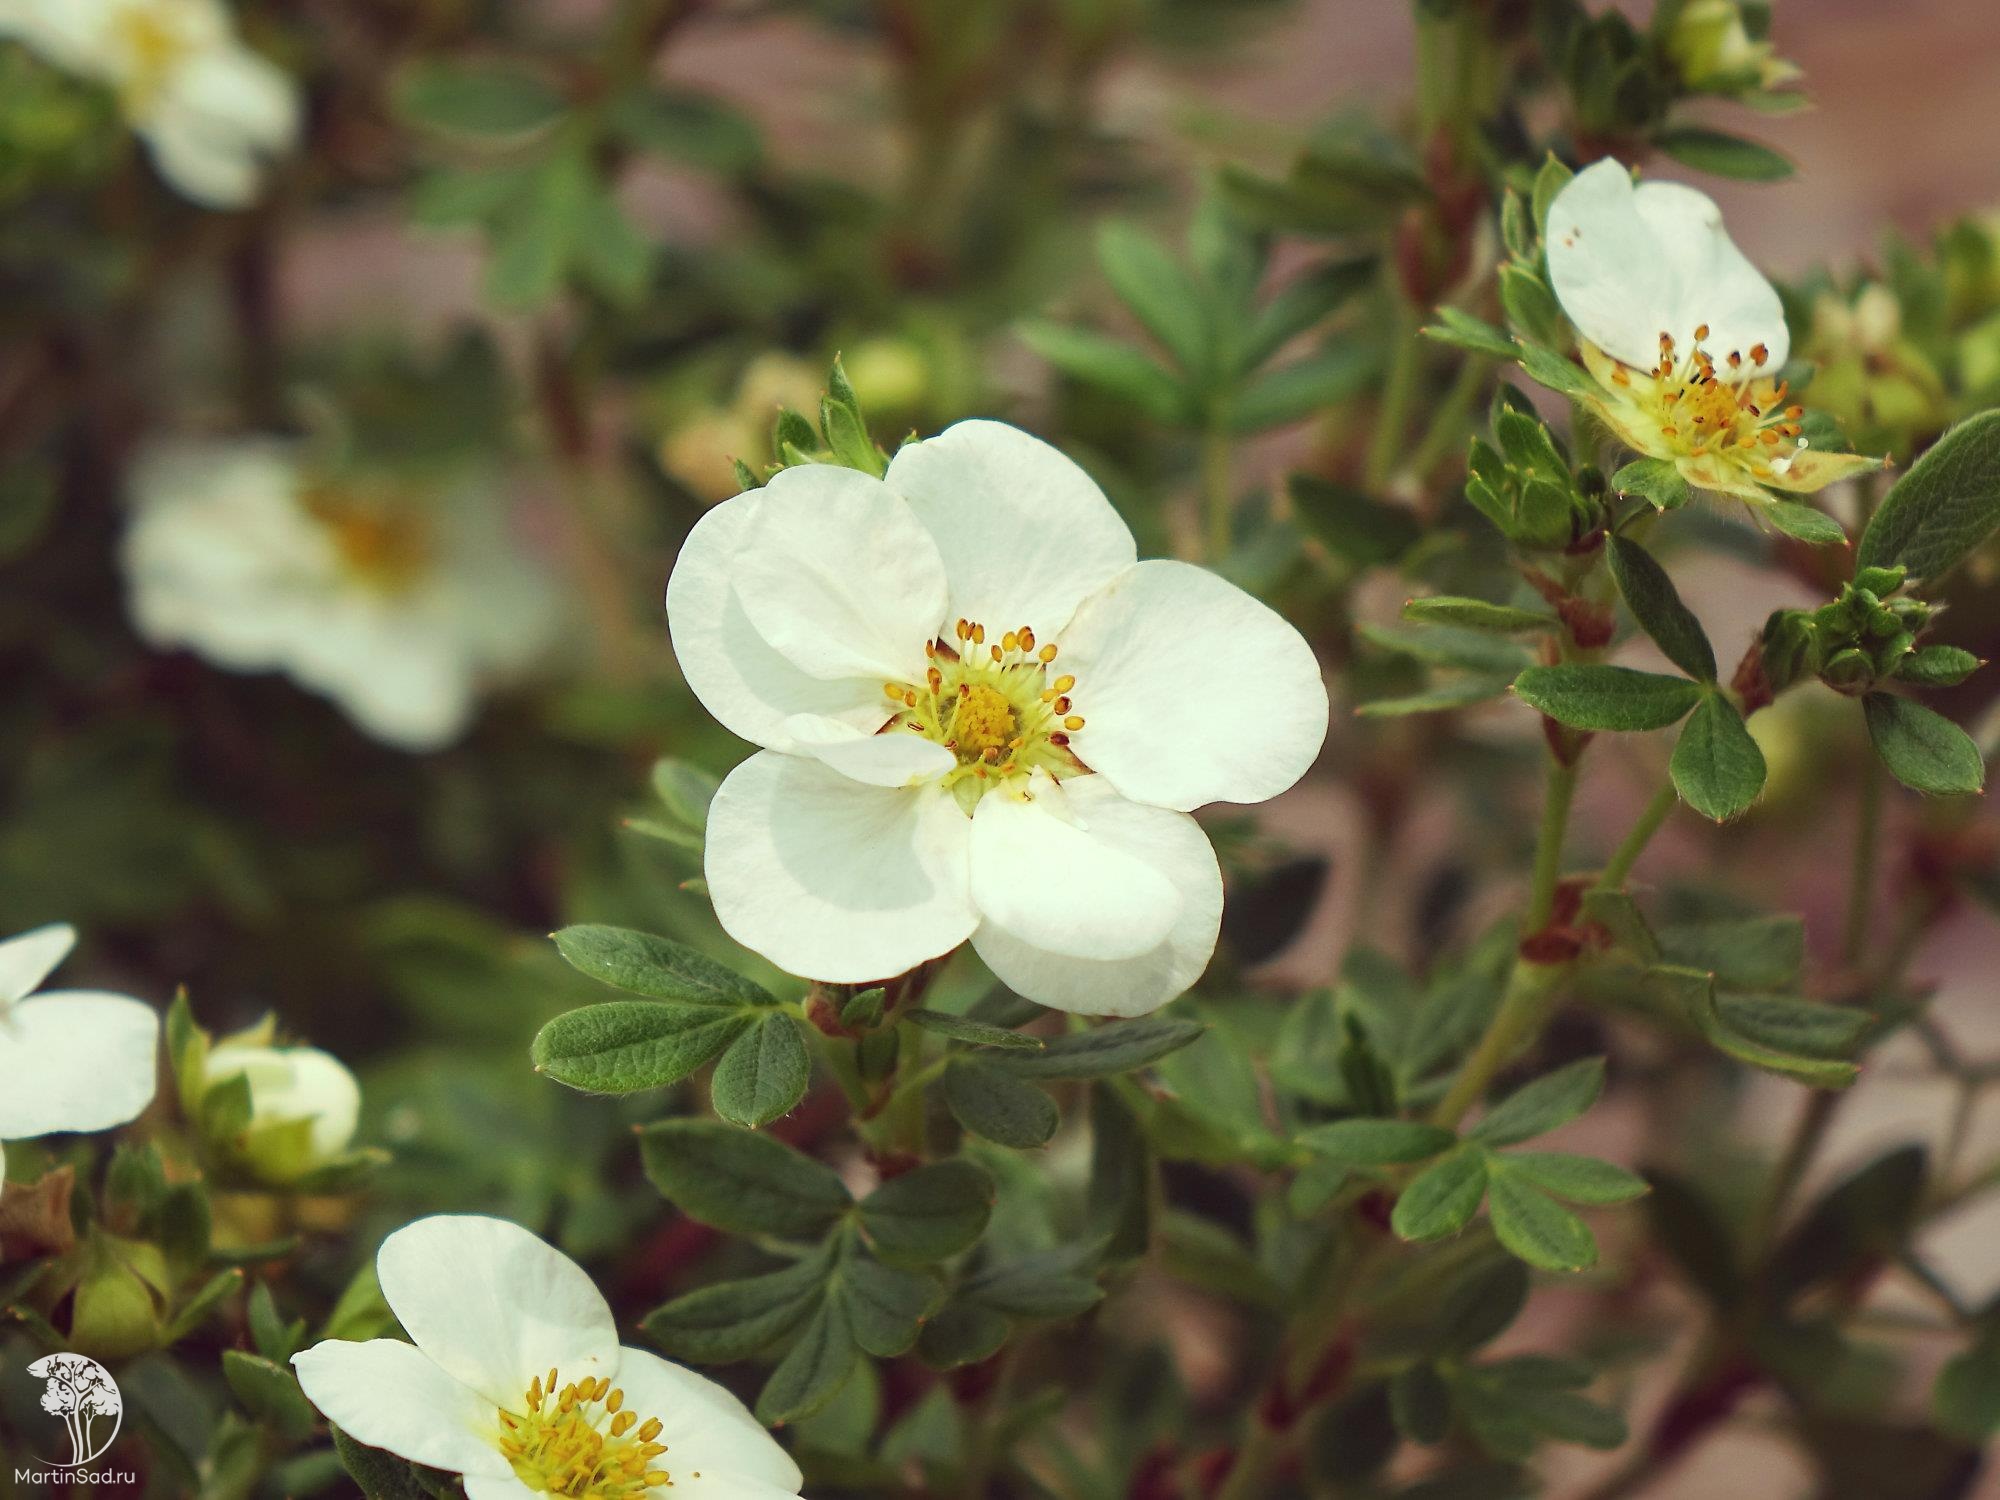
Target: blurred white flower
(304,1105)
(395,606)
(516,1381)
(983,718)
(70,1060)
(1683,336)
(210,109)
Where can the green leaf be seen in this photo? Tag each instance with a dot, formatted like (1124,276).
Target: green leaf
(1800,1028)
(1377,1143)
(1477,614)
(1445,646)
(1745,953)
(381,1475)
(1356,528)
(488,99)
(1858,1223)
(733,1320)
(930,1214)
(1533,1225)
(1923,750)
(741,1182)
(1046,1284)
(1937,666)
(1420,1403)
(1599,697)
(886,1305)
(1443,1197)
(1654,480)
(764,1073)
(534,241)
(1463,331)
(1550,179)
(270,1393)
(1559,373)
(1802,522)
(656,966)
(1104,1051)
(1109,365)
(687,126)
(1304,302)
(1537,1108)
(1944,507)
(1530,305)
(1440,699)
(991,1102)
(1722,154)
(1966,1399)
(963,1333)
(1482,1307)
(1158,290)
(813,1369)
(1696,991)
(1295,391)
(978,1033)
(622,1046)
(1580,1179)
(1656,604)
(1716,766)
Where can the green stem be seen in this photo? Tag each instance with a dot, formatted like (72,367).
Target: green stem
(1450,422)
(1618,869)
(1524,1010)
(1218,494)
(1393,419)
(1867,845)
(1556,802)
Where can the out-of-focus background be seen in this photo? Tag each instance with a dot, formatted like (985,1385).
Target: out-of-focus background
(209,816)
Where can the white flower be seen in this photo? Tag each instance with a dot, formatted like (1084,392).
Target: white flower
(210,109)
(304,1105)
(1683,336)
(70,1060)
(396,607)
(982,718)
(516,1381)
(1636,264)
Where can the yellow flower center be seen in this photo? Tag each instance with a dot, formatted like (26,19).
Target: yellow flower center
(151,45)
(994,705)
(1700,409)
(380,539)
(579,1441)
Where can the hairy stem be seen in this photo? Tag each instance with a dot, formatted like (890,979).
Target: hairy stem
(1218,493)
(1392,420)
(1618,869)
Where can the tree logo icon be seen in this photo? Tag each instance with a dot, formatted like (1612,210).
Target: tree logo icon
(83,1395)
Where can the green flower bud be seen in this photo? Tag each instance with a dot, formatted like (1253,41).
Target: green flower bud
(1712,49)
(1849,671)
(293,1109)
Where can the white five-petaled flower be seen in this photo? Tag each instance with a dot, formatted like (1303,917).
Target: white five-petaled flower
(70,1060)
(211,110)
(516,1381)
(982,718)
(1683,336)
(397,605)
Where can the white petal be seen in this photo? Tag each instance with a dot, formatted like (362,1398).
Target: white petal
(497,1487)
(837,574)
(834,880)
(386,1394)
(739,677)
(1054,885)
(1025,533)
(494,1306)
(27,960)
(1171,843)
(295,1083)
(1191,691)
(707,1432)
(205,165)
(1629,263)
(76,1060)
(399,674)
(241,94)
(895,757)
